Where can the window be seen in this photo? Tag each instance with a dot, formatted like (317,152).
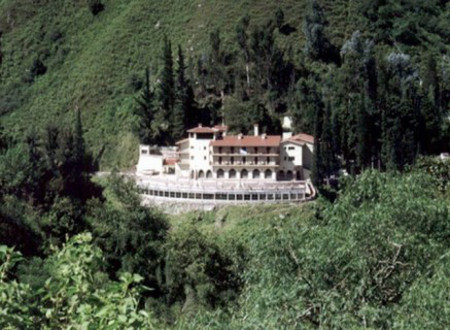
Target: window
(220,160)
(291,159)
(205,136)
(204,148)
(268,150)
(291,148)
(204,157)
(220,174)
(256,150)
(192,157)
(243,160)
(232,174)
(220,150)
(144,152)
(192,147)
(232,150)
(256,160)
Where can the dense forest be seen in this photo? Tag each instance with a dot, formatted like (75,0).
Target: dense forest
(82,82)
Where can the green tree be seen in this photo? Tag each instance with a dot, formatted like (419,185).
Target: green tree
(279,18)
(243,42)
(167,87)
(317,45)
(146,112)
(74,293)
(185,112)
(198,273)
(317,171)
(131,236)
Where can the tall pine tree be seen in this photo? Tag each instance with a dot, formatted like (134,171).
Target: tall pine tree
(145,110)
(167,90)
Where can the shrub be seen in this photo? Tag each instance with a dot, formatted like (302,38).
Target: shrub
(96,6)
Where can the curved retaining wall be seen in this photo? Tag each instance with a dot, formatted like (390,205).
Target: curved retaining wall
(298,192)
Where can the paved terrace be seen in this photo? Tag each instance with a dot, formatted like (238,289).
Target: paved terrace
(223,191)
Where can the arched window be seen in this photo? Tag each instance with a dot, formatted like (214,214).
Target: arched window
(220,174)
(280,175)
(268,174)
(244,174)
(289,175)
(232,174)
(209,174)
(256,174)
(201,174)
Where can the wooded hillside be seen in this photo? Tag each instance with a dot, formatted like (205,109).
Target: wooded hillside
(92,55)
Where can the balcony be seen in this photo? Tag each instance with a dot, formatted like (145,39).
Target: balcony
(249,154)
(249,164)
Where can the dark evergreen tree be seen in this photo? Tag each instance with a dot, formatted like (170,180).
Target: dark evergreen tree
(318,46)
(1,50)
(401,113)
(328,156)
(317,171)
(242,39)
(357,105)
(180,113)
(279,18)
(186,113)
(217,65)
(145,110)
(167,85)
(307,98)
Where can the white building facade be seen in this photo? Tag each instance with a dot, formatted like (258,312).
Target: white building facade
(209,153)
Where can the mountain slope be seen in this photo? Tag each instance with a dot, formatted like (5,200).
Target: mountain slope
(57,56)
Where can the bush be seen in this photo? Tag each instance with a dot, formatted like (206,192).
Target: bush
(96,6)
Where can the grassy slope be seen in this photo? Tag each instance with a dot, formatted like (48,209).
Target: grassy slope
(90,66)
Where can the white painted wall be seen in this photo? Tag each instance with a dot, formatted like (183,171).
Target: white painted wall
(290,150)
(199,150)
(149,163)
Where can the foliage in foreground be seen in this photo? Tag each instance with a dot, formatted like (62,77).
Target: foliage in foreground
(74,295)
(376,257)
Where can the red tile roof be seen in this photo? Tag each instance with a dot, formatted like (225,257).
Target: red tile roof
(301,138)
(206,129)
(170,161)
(202,130)
(182,141)
(248,141)
(221,128)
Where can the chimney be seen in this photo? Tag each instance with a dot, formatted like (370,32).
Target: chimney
(240,136)
(200,125)
(264,136)
(256,129)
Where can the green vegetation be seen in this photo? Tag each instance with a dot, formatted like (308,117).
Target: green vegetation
(374,258)
(269,58)
(370,79)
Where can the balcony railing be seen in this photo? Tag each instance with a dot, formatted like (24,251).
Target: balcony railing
(246,164)
(248,154)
